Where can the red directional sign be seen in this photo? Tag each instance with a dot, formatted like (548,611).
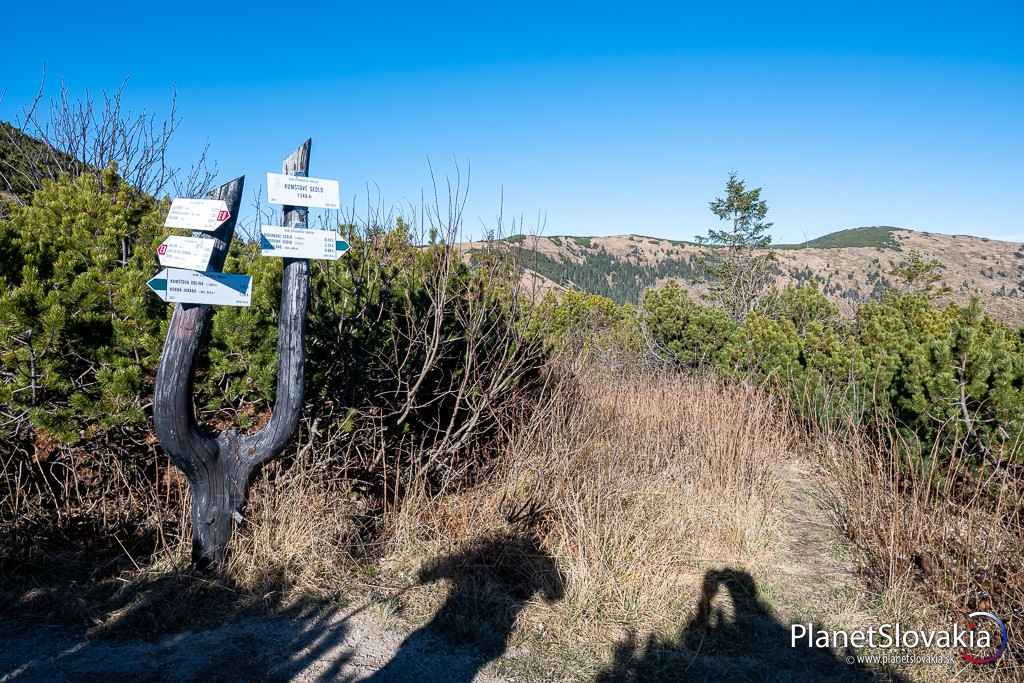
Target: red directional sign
(197,214)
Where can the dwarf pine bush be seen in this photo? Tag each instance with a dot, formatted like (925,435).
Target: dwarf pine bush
(77,341)
(689,333)
(949,375)
(81,334)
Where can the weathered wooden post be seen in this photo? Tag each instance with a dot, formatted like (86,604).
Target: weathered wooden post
(219,467)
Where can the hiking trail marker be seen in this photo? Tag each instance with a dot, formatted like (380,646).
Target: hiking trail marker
(295,190)
(181,286)
(185,252)
(197,214)
(220,465)
(276,240)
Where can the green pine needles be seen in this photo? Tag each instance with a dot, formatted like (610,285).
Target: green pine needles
(740,266)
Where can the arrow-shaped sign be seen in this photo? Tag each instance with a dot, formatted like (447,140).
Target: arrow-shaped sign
(185,252)
(176,285)
(197,214)
(276,240)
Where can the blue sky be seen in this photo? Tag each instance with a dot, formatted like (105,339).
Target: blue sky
(604,118)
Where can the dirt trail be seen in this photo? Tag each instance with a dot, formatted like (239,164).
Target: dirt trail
(329,645)
(812,568)
(354,644)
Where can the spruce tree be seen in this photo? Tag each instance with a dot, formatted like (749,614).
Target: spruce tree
(739,263)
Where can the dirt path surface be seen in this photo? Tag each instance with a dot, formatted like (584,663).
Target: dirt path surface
(354,643)
(326,646)
(812,568)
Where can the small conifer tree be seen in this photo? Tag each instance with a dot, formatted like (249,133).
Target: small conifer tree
(740,263)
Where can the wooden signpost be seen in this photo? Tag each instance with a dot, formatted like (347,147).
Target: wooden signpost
(219,467)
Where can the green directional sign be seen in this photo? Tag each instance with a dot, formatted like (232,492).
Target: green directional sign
(277,240)
(177,285)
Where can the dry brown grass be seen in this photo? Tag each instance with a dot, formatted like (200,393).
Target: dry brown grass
(300,537)
(934,544)
(633,485)
(597,524)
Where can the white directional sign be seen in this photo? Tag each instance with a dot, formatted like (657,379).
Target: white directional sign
(176,285)
(276,240)
(294,190)
(197,214)
(185,252)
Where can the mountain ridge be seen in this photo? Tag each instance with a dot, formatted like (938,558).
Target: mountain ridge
(850,266)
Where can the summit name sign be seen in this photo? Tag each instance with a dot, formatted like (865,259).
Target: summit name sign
(294,190)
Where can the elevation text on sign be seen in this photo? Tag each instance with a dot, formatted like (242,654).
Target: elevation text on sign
(176,285)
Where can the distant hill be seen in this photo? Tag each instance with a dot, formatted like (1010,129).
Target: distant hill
(880,236)
(850,266)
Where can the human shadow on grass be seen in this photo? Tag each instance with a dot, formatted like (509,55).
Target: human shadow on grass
(491,582)
(751,645)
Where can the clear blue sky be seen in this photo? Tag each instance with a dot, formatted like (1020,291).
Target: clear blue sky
(606,119)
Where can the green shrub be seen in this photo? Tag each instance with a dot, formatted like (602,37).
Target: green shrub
(950,375)
(690,334)
(576,319)
(78,336)
(764,349)
(949,379)
(802,306)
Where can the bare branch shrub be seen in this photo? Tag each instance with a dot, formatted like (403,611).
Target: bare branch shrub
(455,368)
(70,136)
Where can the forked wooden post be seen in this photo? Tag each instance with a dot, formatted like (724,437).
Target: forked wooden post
(219,467)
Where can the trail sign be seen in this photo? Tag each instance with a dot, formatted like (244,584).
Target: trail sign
(176,285)
(197,214)
(276,240)
(185,252)
(296,190)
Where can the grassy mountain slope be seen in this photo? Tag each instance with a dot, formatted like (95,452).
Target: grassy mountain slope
(851,266)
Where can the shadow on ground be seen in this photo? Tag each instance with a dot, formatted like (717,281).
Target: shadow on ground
(175,626)
(140,632)
(184,626)
(733,636)
(491,583)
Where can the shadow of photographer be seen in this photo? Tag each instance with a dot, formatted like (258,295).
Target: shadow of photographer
(491,582)
(733,636)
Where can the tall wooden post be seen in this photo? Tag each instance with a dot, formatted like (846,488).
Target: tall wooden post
(219,467)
